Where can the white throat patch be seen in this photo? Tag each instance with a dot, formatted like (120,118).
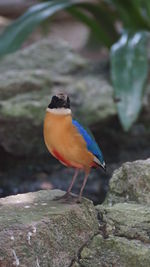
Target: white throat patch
(59,111)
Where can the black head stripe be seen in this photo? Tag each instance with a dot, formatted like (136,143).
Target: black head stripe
(60,101)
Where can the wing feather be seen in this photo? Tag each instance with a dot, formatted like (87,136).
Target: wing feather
(92,146)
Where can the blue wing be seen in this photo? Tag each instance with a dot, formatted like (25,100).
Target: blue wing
(92,146)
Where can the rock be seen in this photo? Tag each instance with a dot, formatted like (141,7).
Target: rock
(124,236)
(28,79)
(130,183)
(131,221)
(124,240)
(115,251)
(35,230)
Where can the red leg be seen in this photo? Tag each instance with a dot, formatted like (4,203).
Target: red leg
(83,185)
(73,181)
(67,194)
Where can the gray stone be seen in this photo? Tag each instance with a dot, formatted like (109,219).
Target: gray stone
(130,183)
(35,230)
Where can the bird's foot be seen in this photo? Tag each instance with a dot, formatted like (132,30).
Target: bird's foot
(70,198)
(76,199)
(67,196)
(79,200)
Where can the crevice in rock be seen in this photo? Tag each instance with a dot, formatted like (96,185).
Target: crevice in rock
(102,225)
(78,255)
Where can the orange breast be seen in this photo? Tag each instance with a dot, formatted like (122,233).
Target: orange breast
(65,143)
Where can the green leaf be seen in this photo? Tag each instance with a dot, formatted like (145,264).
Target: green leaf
(129,70)
(15,34)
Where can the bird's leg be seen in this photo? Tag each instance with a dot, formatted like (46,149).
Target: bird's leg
(67,194)
(83,185)
(72,182)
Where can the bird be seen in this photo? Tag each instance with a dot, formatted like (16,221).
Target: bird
(69,142)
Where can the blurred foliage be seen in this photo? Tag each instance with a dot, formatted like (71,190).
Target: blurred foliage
(129,72)
(107,20)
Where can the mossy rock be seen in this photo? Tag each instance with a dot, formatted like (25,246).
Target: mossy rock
(35,230)
(123,241)
(115,251)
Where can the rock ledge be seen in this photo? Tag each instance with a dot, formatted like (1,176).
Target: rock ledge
(35,230)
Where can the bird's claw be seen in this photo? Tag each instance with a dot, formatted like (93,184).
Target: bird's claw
(65,197)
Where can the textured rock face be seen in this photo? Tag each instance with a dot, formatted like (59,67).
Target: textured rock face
(37,231)
(124,219)
(118,252)
(124,236)
(123,239)
(131,221)
(131,183)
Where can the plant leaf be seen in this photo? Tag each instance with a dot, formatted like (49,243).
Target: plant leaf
(15,34)
(129,70)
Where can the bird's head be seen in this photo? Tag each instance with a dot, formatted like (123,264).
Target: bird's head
(59,101)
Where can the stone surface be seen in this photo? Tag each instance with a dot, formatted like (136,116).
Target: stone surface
(131,221)
(124,238)
(115,251)
(130,183)
(37,231)
(124,228)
